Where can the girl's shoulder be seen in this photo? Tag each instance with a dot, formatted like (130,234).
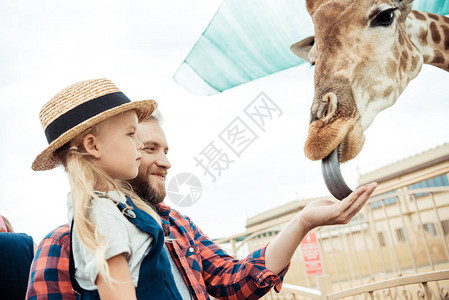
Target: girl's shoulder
(110,198)
(106,205)
(103,202)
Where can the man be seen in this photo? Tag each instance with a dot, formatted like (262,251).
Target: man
(200,267)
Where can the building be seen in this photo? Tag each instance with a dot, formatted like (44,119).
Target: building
(403,229)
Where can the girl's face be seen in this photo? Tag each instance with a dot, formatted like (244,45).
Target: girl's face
(118,147)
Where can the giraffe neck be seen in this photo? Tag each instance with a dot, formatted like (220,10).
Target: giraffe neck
(430,34)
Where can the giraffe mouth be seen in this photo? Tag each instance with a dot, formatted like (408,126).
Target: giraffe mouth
(330,168)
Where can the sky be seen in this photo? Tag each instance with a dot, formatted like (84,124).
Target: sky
(48,45)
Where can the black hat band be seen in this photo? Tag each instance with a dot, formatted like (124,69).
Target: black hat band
(83,112)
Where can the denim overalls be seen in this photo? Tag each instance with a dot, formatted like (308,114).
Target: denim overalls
(155,277)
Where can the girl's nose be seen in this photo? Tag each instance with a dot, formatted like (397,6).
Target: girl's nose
(139,144)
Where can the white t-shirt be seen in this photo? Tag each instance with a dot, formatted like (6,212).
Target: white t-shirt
(180,284)
(122,237)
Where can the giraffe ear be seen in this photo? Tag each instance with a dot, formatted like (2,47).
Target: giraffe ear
(312,5)
(405,6)
(303,49)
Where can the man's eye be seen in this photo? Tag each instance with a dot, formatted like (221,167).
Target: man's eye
(150,149)
(384,18)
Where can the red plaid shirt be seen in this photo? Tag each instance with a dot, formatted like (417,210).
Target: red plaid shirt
(205,267)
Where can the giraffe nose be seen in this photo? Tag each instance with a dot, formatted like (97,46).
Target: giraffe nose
(327,107)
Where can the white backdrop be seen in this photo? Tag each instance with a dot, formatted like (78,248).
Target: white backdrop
(47,45)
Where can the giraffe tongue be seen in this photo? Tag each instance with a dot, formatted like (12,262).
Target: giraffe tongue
(335,183)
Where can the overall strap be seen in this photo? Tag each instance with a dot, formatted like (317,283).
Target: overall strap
(75,286)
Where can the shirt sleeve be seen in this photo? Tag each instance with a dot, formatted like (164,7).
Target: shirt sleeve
(49,273)
(227,277)
(112,225)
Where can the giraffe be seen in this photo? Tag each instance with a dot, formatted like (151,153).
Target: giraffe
(365,53)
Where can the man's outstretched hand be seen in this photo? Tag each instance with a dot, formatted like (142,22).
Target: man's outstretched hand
(317,213)
(327,212)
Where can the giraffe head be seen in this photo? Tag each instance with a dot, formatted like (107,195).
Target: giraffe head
(363,61)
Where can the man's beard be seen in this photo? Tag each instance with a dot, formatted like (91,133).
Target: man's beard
(143,189)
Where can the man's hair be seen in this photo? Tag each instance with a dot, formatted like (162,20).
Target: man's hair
(156,116)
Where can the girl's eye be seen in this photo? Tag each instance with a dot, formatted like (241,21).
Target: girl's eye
(384,18)
(131,134)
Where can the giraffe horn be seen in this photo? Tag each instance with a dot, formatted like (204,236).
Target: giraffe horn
(405,6)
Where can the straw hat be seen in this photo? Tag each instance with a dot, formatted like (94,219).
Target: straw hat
(78,107)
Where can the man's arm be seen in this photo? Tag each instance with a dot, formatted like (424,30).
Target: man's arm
(49,274)
(318,213)
(229,278)
(254,276)
(248,278)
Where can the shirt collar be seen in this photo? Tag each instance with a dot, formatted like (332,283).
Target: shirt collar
(164,211)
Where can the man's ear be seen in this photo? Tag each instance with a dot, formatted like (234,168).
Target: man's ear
(90,145)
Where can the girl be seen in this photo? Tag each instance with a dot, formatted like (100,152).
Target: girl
(116,238)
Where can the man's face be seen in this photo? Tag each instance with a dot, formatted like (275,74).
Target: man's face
(150,182)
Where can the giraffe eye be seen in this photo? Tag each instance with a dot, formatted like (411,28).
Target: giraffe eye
(384,18)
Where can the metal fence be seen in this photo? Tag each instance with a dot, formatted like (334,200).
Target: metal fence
(397,247)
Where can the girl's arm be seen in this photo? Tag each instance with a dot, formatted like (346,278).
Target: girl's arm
(122,284)
(317,213)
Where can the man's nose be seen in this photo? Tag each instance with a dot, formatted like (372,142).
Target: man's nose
(163,162)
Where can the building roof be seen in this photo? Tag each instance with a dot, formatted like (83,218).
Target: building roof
(408,165)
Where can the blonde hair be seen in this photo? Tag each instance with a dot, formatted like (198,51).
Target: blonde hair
(83,177)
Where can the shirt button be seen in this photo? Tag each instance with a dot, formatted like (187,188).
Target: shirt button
(191,249)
